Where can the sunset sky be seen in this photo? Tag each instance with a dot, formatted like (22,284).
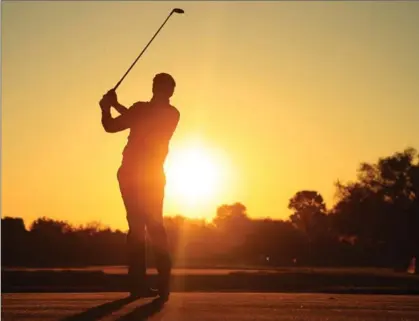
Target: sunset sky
(275,97)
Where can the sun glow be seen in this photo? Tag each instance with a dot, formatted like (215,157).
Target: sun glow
(195,178)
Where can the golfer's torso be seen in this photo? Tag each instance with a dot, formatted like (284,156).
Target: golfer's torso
(147,147)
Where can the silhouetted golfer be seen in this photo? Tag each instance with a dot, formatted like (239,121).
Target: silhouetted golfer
(142,179)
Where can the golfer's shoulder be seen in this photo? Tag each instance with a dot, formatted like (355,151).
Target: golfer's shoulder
(139,105)
(138,108)
(174,111)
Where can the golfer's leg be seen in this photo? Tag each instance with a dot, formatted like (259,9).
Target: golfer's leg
(136,234)
(160,244)
(158,236)
(136,252)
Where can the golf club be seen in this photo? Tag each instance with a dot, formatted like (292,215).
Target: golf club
(175,10)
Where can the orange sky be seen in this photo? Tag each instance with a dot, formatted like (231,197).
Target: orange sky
(281,96)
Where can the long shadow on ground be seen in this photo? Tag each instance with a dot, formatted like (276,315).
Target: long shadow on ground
(143,312)
(100,311)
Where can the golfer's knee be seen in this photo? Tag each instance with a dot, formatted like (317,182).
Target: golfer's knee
(136,236)
(158,235)
(155,226)
(136,229)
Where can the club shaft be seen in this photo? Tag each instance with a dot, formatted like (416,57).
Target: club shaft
(145,48)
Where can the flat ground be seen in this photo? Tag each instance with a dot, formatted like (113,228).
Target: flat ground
(116,269)
(246,279)
(210,306)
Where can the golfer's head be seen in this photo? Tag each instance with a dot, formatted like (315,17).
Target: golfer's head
(163,85)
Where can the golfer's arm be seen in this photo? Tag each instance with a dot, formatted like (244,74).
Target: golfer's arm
(114,125)
(120,108)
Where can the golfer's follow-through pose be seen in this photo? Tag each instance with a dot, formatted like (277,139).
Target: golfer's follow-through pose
(142,180)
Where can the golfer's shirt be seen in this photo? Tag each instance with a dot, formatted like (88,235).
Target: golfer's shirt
(151,128)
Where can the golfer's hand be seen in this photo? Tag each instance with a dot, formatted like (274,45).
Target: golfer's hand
(104,103)
(108,100)
(111,97)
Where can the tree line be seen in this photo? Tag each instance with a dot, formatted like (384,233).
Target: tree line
(374,222)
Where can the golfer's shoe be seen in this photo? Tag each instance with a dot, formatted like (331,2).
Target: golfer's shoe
(164,292)
(144,293)
(164,296)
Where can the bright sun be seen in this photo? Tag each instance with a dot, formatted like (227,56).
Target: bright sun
(193,176)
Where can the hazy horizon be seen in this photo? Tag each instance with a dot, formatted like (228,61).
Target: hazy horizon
(275,97)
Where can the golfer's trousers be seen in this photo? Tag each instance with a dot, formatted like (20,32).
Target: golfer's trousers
(142,191)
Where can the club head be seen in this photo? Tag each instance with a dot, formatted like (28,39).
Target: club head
(178,10)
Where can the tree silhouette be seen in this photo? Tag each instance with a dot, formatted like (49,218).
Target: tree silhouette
(231,215)
(13,241)
(381,208)
(309,212)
